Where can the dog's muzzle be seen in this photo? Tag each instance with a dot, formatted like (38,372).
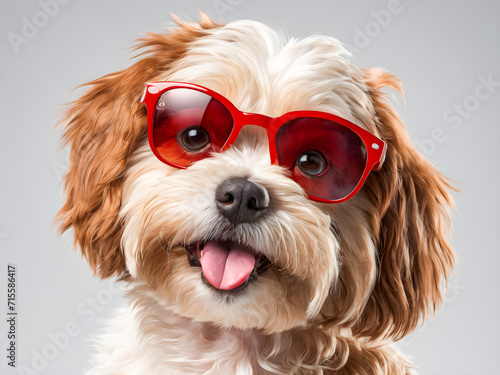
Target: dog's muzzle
(228,264)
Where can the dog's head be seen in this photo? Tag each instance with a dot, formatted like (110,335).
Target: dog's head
(274,259)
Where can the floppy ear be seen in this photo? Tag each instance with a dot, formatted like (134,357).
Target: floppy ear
(409,226)
(103,127)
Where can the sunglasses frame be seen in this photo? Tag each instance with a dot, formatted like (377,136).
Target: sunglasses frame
(375,147)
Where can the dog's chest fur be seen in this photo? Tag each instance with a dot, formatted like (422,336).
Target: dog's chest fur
(145,338)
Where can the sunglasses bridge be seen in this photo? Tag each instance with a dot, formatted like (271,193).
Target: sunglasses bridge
(257,119)
(254,119)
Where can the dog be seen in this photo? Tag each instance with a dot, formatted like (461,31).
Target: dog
(263,203)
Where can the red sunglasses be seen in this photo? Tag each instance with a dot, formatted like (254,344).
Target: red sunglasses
(327,155)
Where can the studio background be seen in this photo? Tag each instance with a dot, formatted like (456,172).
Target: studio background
(447,54)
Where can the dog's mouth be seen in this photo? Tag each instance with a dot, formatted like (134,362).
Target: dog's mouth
(227,265)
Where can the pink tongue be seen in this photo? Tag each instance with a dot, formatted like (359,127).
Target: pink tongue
(226,265)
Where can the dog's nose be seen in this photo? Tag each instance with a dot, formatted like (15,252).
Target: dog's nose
(241,200)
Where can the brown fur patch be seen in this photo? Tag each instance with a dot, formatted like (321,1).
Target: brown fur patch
(373,360)
(409,224)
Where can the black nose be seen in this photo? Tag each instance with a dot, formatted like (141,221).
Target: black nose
(240,200)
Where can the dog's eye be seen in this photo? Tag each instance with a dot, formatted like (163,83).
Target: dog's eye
(193,139)
(312,163)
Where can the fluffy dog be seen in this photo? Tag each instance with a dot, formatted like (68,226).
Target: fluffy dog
(233,265)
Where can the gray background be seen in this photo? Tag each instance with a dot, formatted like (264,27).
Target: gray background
(442,50)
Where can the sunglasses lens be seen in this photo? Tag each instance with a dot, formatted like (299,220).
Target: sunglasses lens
(326,158)
(188,125)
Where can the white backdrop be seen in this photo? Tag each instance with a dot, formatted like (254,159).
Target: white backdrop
(446,52)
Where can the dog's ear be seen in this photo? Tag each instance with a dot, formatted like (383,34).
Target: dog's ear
(103,127)
(410,226)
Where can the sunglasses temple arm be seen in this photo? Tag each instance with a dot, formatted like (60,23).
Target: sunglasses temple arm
(378,165)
